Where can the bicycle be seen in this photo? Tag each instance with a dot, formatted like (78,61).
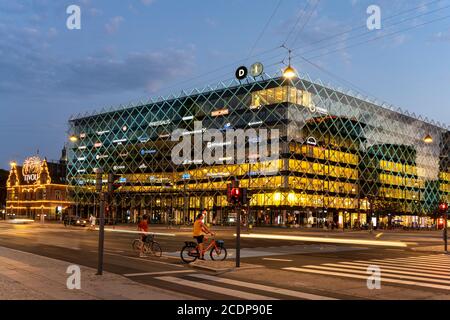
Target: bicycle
(150,246)
(190,252)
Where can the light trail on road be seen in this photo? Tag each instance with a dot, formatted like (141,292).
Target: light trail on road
(325,240)
(139,232)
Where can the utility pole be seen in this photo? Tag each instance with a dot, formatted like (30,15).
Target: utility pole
(101,234)
(445,234)
(238,236)
(443,208)
(234,196)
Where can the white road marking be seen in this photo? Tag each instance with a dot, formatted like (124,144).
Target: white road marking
(381,262)
(215,289)
(412,263)
(383,275)
(286,292)
(422,260)
(156,273)
(355,276)
(146,260)
(395,267)
(274,259)
(385,270)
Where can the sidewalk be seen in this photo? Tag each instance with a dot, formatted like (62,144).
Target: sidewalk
(26,276)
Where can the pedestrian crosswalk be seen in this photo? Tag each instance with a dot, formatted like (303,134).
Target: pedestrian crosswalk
(429,271)
(236,289)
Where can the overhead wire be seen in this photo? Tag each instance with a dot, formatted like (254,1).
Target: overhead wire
(274,49)
(263,31)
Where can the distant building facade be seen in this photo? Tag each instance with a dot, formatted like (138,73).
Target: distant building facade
(36,188)
(3,178)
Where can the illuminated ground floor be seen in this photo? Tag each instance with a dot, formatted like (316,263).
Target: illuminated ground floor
(277,211)
(50,210)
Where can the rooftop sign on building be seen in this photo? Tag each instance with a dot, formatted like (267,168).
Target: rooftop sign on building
(31,169)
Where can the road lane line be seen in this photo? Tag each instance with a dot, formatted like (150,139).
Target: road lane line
(430,257)
(396,267)
(422,260)
(146,260)
(286,292)
(387,270)
(156,273)
(139,232)
(382,262)
(412,263)
(384,274)
(215,289)
(355,276)
(274,259)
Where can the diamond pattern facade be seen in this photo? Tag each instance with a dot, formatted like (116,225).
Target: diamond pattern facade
(342,158)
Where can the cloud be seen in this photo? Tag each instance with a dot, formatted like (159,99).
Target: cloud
(441,36)
(211,22)
(13,6)
(137,71)
(113,25)
(147,2)
(30,69)
(95,12)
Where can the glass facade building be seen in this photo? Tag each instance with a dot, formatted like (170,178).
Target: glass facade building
(342,158)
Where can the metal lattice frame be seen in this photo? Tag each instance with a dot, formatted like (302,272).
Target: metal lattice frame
(362,157)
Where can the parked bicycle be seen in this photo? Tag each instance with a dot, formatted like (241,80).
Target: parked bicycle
(150,246)
(191,252)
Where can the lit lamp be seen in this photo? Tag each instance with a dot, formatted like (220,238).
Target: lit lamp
(73,138)
(289,72)
(428,139)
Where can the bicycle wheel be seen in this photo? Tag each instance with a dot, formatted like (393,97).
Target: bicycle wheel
(156,249)
(189,254)
(218,254)
(136,245)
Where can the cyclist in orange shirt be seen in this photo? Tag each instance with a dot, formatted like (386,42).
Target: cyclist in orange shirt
(143,227)
(199,229)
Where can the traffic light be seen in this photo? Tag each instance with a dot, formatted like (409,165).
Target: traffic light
(233,192)
(443,207)
(236,195)
(113,182)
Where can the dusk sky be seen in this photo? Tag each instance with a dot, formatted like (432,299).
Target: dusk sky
(132,50)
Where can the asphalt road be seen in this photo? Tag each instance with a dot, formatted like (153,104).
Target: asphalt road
(287,269)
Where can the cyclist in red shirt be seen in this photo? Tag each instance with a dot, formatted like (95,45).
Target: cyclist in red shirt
(143,227)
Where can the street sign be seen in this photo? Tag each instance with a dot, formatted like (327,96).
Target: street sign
(256,69)
(241,73)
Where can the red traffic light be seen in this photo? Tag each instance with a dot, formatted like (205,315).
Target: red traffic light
(443,207)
